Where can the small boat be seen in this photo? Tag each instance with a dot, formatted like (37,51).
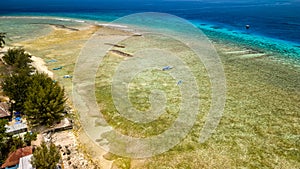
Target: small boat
(67,76)
(167,68)
(58,68)
(179,82)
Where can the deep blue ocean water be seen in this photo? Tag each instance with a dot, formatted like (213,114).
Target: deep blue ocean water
(275,24)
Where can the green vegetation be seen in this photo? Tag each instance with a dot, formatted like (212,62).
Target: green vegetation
(15,143)
(37,96)
(28,137)
(45,100)
(15,87)
(9,143)
(259,122)
(16,83)
(118,162)
(141,86)
(41,100)
(2,36)
(19,61)
(260,125)
(3,140)
(45,156)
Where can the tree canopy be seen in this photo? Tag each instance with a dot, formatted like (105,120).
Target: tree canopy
(38,97)
(19,60)
(7,142)
(15,87)
(35,95)
(3,140)
(28,137)
(45,156)
(45,101)
(2,36)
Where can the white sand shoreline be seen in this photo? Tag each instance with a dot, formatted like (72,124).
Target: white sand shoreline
(40,66)
(66,19)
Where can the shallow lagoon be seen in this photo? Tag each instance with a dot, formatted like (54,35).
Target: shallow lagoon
(260,125)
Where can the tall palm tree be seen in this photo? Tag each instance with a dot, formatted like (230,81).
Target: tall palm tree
(2,36)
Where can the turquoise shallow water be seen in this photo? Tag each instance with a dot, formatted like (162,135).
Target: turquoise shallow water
(274,46)
(21,29)
(275,25)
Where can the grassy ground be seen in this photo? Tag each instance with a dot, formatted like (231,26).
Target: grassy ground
(63,46)
(141,86)
(260,126)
